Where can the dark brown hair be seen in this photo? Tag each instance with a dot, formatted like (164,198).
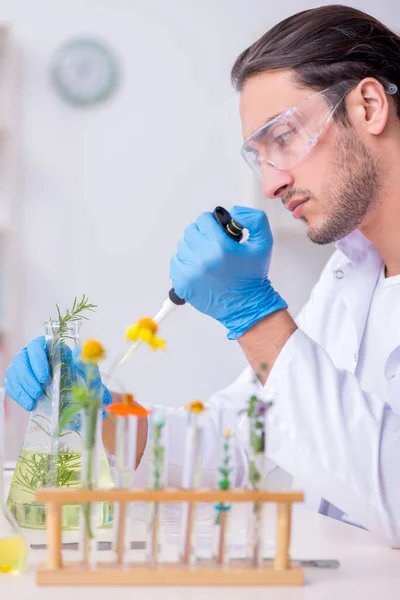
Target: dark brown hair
(324,46)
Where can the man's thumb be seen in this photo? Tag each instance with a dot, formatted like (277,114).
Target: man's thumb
(255,220)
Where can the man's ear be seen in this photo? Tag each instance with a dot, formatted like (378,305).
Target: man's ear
(369,105)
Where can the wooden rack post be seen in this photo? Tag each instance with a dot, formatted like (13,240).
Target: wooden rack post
(121,532)
(282,558)
(223,517)
(54,535)
(187,553)
(155,535)
(216,573)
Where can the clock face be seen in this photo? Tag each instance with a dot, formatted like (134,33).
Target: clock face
(84,72)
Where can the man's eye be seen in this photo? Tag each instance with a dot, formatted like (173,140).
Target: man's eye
(283,139)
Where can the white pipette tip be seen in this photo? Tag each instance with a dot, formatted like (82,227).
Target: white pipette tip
(167,308)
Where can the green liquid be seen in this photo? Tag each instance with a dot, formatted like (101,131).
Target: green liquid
(34,470)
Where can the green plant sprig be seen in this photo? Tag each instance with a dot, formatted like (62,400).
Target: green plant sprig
(43,470)
(39,467)
(71,316)
(225,482)
(67,378)
(87,401)
(255,411)
(158,457)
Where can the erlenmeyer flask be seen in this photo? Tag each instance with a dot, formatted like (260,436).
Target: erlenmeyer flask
(13,547)
(51,455)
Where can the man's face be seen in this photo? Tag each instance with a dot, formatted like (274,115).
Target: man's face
(338,180)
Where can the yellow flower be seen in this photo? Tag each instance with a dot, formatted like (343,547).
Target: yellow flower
(145,330)
(227,433)
(128,399)
(157,343)
(196,406)
(6,568)
(147,323)
(92,350)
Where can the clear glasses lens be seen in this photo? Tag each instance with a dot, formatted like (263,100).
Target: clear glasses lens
(285,140)
(280,144)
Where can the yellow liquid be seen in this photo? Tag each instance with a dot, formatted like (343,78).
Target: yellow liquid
(32,515)
(13,554)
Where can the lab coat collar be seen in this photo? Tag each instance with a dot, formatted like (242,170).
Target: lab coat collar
(363,267)
(356,247)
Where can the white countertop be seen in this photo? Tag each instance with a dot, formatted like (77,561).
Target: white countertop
(367,569)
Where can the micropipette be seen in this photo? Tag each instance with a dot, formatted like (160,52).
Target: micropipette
(234,231)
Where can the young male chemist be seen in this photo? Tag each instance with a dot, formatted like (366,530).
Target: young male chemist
(319,106)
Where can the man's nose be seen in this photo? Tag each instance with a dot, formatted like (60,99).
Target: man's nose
(275,182)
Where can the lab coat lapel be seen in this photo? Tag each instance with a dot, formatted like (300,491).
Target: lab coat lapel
(357,278)
(358,284)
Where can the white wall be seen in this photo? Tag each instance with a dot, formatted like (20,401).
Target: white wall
(106,192)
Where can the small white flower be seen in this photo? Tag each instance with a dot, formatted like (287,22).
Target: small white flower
(158,417)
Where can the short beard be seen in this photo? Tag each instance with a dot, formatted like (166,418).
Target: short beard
(353,190)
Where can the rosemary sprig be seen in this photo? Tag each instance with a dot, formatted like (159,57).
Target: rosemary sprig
(75,314)
(33,471)
(58,466)
(58,354)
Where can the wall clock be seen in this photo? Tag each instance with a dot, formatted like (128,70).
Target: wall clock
(84,72)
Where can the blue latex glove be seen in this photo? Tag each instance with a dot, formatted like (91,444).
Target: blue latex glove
(30,370)
(225,279)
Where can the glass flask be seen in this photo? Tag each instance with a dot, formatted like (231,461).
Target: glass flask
(51,455)
(13,547)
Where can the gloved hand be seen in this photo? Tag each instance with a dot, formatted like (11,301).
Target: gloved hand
(30,370)
(225,279)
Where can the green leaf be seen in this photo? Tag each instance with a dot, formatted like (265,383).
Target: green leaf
(257,442)
(254,475)
(67,415)
(225,472)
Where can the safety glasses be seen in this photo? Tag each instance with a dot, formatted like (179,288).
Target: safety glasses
(286,139)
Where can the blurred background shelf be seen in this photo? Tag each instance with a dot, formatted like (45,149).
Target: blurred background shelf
(9,211)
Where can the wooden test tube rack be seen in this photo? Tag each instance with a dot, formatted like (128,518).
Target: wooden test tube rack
(214,573)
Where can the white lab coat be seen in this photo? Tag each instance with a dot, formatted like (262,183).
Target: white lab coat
(340,443)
